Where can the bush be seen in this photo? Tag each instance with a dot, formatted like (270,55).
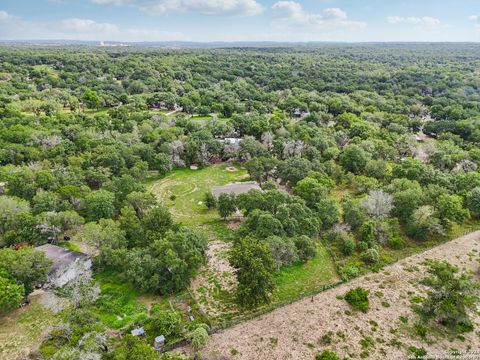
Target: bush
(396,243)
(327,355)
(210,200)
(349,271)
(347,245)
(305,247)
(371,256)
(198,337)
(358,299)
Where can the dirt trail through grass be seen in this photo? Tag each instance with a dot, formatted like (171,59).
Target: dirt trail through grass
(385,332)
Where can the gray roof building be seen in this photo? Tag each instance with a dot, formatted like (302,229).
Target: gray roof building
(237,188)
(66,264)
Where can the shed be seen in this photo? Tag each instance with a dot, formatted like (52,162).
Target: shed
(159,342)
(67,265)
(138,331)
(236,188)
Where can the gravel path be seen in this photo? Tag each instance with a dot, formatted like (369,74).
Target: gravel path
(295,331)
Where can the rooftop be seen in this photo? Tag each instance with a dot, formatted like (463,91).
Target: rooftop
(237,188)
(60,257)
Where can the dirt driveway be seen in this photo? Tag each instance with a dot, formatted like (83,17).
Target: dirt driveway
(385,332)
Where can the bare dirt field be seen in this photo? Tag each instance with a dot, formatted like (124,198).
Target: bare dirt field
(386,331)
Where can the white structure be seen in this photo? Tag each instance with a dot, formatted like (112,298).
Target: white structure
(138,332)
(67,265)
(159,342)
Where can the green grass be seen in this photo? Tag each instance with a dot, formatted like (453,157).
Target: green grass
(117,305)
(201,117)
(301,280)
(189,188)
(70,246)
(23,329)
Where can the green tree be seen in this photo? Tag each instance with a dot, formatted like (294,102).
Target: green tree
(305,247)
(11,210)
(283,250)
(449,209)
(226,205)
(210,200)
(26,266)
(354,159)
(294,169)
(11,294)
(91,98)
(254,266)
(99,204)
(450,296)
(473,201)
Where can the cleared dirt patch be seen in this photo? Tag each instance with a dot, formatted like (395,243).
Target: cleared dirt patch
(216,282)
(385,332)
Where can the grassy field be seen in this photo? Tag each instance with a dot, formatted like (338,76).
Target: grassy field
(182,191)
(188,188)
(23,329)
(298,281)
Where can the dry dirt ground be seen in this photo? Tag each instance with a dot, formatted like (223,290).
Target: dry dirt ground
(295,331)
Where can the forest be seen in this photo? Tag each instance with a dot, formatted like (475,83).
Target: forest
(364,155)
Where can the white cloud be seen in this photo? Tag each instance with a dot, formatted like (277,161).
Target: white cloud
(112,2)
(15,28)
(205,7)
(87,25)
(474,18)
(3,15)
(334,13)
(413,20)
(291,13)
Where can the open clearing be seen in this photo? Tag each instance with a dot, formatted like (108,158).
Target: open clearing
(22,330)
(295,331)
(214,286)
(189,187)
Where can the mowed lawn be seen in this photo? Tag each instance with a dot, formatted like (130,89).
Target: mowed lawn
(298,281)
(188,188)
(183,190)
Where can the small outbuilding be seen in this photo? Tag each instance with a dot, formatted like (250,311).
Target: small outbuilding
(159,342)
(67,265)
(237,188)
(138,332)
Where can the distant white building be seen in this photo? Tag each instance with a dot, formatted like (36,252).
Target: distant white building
(67,265)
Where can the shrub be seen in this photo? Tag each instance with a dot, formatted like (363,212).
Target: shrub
(419,353)
(450,297)
(396,243)
(348,245)
(305,247)
(370,256)
(210,200)
(349,271)
(358,299)
(198,337)
(327,355)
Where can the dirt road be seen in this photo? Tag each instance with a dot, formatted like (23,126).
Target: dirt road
(295,331)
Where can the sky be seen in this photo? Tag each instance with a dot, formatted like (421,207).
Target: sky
(241,20)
